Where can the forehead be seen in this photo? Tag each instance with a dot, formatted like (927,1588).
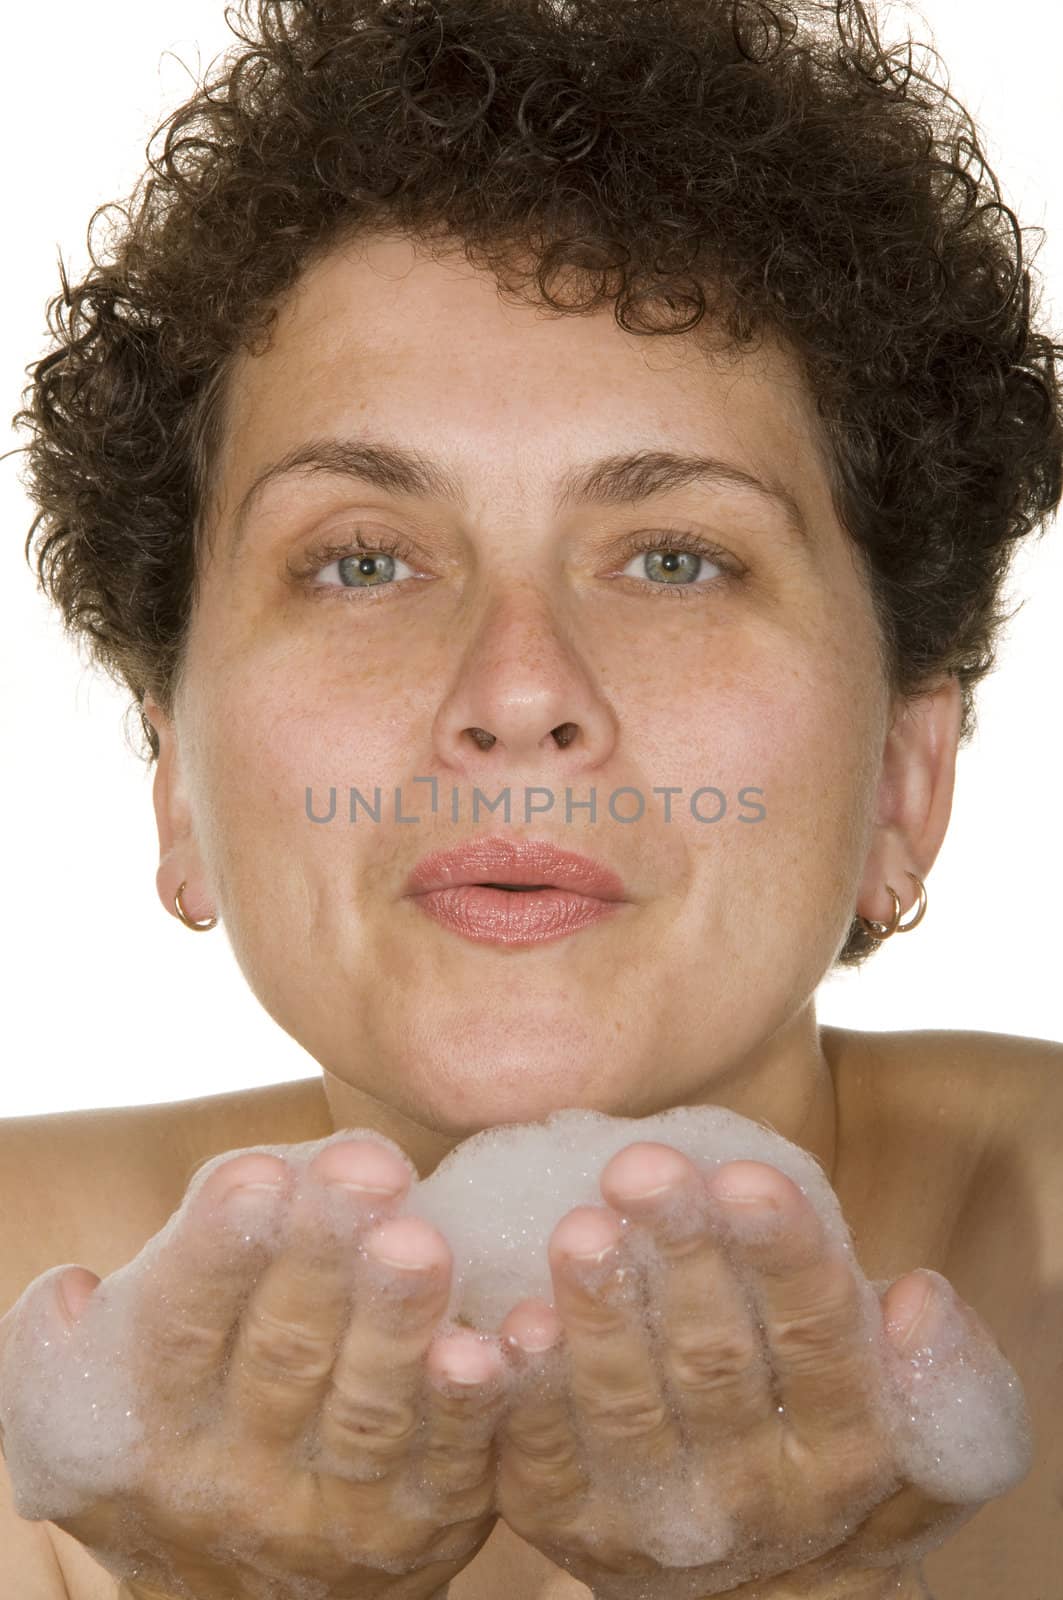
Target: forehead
(379,333)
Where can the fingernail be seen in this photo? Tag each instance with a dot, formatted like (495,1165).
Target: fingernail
(378,1192)
(253,1193)
(916,1328)
(596,1271)
(589,1238)
(587,1258)
(400,1243)
(937,1325)
(73,1302)
(751,1216)
(538,1335)
(468,1362)
(369,1170)
(534,1344)
(738,1190)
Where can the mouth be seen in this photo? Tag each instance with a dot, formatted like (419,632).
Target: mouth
(499,890)
(515,866)
(518,888)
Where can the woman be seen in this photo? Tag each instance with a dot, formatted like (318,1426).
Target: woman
(441,343)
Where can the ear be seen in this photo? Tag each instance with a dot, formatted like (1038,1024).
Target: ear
(179,858)
(914,800)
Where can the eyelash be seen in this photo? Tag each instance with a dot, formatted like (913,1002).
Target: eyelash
(323,555)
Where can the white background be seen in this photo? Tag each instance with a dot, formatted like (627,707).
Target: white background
(108,1001)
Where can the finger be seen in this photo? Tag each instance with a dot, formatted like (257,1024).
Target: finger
(541,1480)
(289,1333)
(194,1286)
(614,1382)
(373,1405)
(815,1317)
(462,1409)
(710,1350)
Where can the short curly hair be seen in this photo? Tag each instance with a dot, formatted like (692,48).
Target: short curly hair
(736,164)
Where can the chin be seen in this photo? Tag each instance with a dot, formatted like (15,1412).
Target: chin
(461,1103)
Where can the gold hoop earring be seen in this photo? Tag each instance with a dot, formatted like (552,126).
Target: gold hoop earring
(196,927)
(886,930)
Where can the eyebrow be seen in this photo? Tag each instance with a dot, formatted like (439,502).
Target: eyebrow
(614,480)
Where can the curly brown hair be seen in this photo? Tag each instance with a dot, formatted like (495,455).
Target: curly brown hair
(733,164)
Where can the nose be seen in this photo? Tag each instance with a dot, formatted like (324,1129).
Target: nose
(523,691)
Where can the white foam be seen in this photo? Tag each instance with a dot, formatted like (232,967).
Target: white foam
(75,1430)
(498,1196)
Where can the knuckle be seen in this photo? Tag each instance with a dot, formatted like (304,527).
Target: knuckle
(809,1334)
(181,1343)
(473,1417)
(701,1361)
(595,1320)
(830,1308)
(273,1349)
(805,1340)
(360,1419)
(632,1414)
(535,1504)
(546,1447)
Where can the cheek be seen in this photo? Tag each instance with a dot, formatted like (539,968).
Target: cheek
(287,718)
(799,724)
(783,705)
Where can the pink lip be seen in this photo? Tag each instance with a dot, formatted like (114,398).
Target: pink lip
(494,859)
(451,888)
(498,916)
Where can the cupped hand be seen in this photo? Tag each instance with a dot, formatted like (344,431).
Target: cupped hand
(298,1400)
(754,1418)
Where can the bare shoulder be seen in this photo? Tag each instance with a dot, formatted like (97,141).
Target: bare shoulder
(1014,1207)
(981,1067)
(956,1053)
(93,1186)
(973,1121)
(957,1093)
(1007,1091)
(1005,1259)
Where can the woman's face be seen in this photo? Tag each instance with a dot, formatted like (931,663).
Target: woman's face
(507,613)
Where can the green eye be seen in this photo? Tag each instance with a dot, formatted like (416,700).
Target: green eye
(366,571)
(360,562)
(674,568)
(675,562)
